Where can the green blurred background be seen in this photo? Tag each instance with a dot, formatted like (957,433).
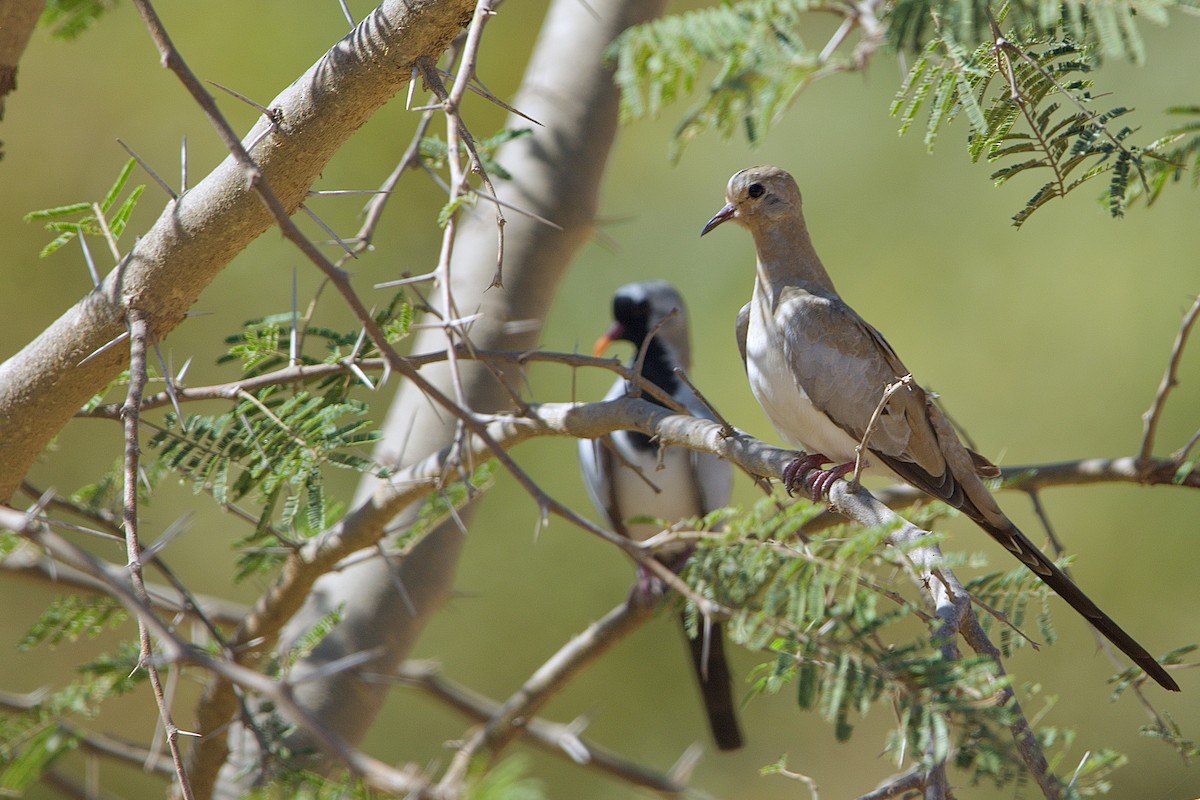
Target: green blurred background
(1046,343)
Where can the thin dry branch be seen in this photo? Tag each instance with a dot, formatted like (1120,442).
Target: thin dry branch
(28,564)
(1170,378)
(304,373)
(593,420)
(557,738)
(509,720)
(139,340)
(220,701)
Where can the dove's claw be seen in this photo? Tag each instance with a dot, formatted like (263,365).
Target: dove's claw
(794,472)
(822,480)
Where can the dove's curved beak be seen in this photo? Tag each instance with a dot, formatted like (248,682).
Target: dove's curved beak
(724,215)
(617,331)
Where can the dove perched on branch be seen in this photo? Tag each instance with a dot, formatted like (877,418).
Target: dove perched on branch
(819,370)
(628,477)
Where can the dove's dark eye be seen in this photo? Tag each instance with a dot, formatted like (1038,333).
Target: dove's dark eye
(756,190)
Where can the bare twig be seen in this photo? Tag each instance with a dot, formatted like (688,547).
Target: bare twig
(456,128)
(166,187)
(861,448)
(639,363)
(24,563)
(508,721)
(314,372)
(1169,380)
(898,786)
(725,426)
(139,335)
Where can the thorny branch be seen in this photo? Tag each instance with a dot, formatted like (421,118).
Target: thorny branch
(563,740)
(509,720)
(592,420)
(1170,378)
(139,335)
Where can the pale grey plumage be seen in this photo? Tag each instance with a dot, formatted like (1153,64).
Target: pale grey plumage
(819,371)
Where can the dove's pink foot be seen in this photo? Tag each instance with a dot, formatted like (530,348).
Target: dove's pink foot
(794,472)
(821,480)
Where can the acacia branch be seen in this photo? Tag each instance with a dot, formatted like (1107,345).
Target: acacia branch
(1169,380)
(510,719)
(365,525)
(43,385)
(559,739)
(26,563)
(139,341)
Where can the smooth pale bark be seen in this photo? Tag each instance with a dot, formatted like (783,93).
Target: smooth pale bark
(18,18)
(557,173)
(43,385)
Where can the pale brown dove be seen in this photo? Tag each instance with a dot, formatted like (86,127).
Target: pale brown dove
(628,477)
(819,371)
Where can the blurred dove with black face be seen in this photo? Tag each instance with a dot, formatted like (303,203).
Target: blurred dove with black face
(676,484)
(819,371)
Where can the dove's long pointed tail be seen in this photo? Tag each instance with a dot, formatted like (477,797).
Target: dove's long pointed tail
(716,687)
(1019,545)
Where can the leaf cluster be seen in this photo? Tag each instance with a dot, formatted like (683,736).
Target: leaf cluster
(847,642)
(69,18)
(79,219)
(1018,71)
(272,443)
(70,617)
(33,740)
(275,341)
(760,60)
(1171,159)
(1028,99)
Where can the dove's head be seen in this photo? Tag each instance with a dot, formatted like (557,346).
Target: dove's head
(649,307)
(758,196)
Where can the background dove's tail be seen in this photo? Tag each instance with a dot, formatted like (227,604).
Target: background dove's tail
(716,687)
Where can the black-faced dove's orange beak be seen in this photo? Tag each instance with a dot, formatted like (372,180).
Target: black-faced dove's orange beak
(617,331)
(724,215)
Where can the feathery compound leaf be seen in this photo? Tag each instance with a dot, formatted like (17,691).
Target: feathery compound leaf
(88,223)
(1025,98)
(1170,158)
(755,49)
(821,611)
(71,617)
(271,445)
(264,344)
(70,18)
